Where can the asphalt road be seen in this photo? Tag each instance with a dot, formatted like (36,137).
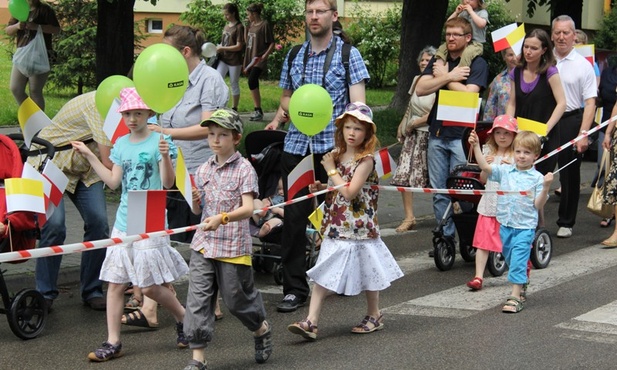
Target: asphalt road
(432,320)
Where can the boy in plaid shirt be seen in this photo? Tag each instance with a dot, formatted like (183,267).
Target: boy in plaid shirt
(221,249)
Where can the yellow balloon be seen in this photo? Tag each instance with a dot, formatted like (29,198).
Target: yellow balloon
(161,76)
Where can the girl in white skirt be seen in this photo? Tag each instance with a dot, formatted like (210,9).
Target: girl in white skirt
(352,258)
(141,161)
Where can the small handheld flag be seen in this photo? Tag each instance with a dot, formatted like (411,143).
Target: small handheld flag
(31,120)
(300,177)
(384,163)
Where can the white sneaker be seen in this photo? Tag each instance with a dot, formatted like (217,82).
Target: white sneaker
(564,232)
(256,116)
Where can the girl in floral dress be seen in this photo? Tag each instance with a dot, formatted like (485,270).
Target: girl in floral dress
(353,258)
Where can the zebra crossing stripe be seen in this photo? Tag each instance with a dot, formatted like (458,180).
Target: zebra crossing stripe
(599,325)
(459,302)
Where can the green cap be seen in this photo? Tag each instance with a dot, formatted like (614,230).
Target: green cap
(226,118)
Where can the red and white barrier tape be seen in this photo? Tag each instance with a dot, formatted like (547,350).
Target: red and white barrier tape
(449,191)
(87,246)
(576,139)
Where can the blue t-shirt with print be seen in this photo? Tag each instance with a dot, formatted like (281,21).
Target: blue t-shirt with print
(140,168)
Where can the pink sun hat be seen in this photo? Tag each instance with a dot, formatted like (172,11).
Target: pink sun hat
(130,100)
(506,122)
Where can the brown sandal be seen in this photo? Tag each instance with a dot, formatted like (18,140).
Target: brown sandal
(305,328)
(406,225)
(363,328)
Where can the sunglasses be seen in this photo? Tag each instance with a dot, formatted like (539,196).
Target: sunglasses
(364,109)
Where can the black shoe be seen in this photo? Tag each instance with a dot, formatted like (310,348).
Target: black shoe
(96,303)
(290,303)
(48,303)
(431,253)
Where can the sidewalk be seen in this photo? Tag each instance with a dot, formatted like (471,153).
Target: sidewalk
(21,275)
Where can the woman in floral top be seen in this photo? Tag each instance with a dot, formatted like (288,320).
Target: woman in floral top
(499,89)
(353,258)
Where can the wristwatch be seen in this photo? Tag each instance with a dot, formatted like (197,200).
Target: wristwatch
(224,218)
(332,172)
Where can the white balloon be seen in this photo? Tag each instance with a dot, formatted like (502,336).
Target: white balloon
(208,50)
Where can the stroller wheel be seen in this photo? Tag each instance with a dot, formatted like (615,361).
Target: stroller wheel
(467,252)
(542,249)
(445,252)
(27,314)
(277,273)
(496,264)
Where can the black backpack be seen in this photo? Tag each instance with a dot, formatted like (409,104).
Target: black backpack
(345,52)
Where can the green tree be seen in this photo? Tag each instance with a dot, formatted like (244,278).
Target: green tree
(377,37)
(75,59)
(606,37)
(573,8)
(285,16)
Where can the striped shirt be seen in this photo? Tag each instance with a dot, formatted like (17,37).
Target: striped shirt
(222,187)
(77,120)
(295,141)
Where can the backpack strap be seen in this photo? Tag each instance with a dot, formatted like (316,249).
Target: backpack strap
(345,53)
(292,55)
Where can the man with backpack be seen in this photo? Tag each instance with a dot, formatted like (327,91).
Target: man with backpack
(318,61)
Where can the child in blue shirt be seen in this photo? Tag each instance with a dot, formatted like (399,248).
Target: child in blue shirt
(517,214)
(141,161)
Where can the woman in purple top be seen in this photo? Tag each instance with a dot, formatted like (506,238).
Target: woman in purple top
(537,93)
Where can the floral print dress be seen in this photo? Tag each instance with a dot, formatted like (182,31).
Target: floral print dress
(353,258)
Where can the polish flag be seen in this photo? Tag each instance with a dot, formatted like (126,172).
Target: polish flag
(384,163)
(58,182)
(587,51)
(300,177)
(31,120)
(509,36)
(114,126)
(146,211)
(28,172)
(458,108)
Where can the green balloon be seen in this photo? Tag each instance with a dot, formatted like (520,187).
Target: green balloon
(161,76)
(310,109)
(19,9)
(108,90)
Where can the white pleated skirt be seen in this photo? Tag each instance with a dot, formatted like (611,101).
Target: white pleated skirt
(350,267)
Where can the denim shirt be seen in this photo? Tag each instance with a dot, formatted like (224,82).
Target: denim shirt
(513,210)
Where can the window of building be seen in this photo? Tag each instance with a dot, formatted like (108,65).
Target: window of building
(155,26)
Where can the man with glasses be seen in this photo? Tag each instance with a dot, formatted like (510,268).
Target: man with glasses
(579,84)
(445,150)
(308,68)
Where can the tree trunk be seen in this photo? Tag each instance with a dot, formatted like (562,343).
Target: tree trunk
(422,23)
(114,38)
(573,8)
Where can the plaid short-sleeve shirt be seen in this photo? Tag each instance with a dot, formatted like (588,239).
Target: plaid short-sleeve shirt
(222,187)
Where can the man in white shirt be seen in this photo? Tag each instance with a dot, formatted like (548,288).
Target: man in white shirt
(579,83)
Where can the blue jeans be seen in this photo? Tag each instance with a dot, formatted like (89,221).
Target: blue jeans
(443,155)
(90,202)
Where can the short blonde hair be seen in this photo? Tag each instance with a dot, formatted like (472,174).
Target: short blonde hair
(528,140)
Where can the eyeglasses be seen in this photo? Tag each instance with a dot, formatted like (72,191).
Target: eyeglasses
(455,35)
(318,12)
(363,108)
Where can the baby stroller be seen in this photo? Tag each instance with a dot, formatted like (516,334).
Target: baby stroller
(26,311)
(467,177)
(264,148)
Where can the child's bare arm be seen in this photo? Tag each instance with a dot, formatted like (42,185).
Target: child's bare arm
(111,178)
(477,151)
(196,207)
(244,211)
(166,168)
(543,196)
(477,20)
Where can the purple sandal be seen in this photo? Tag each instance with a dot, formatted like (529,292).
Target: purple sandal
(305,328)
(362,328)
